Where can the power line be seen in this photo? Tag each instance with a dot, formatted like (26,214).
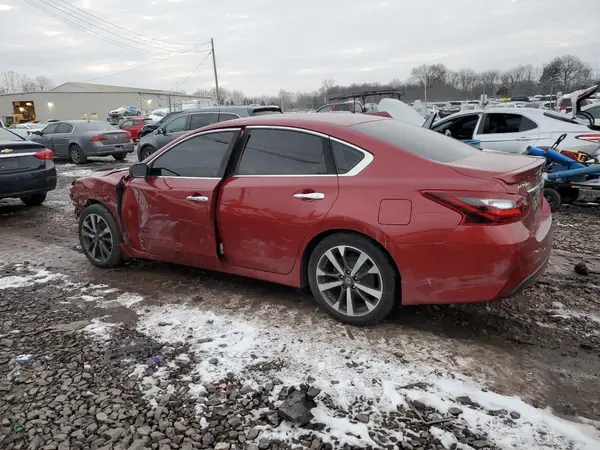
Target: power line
(137,35)
(194,71)
(79,27)
(146,65)
(130,42)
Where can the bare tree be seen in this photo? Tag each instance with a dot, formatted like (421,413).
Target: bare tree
(429,75)
(237,97)
(513,77)
(10,82)
(43,83)
(574,72)
(27,84)
(326,87)
(489,78)
(465,79)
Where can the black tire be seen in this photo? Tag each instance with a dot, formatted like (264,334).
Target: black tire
(553,198)
(569,195)
(76,154)
(145,152)
(388,280)
(114,255)
(34,199)
(120,156)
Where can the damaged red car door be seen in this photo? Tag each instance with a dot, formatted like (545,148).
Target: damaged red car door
(169,215)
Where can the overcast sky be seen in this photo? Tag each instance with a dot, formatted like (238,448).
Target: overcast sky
(265,45)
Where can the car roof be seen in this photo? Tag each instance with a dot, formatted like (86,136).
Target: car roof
(321,122)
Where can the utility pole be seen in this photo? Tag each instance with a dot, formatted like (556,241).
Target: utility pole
(212,46)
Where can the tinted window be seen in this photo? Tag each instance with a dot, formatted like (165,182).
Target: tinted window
(345,157)
(177,124)
(325,108)
(127,123)
(342,107)
(6,135)
(227,116)
(507,123)
(417,140)
(201,120)
(565,102)
(63,128)
(281,152)
(200,156)
(50,129)
(460,128)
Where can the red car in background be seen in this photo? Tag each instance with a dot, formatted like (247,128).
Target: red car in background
(353,107)
(368,211)
(134,125)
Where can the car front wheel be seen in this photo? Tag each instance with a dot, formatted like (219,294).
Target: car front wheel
(353,279)
(99,236)
(146,152)
(34,199)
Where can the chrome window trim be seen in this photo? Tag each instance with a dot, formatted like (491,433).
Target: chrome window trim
(355,170)
(16,155)
(159,153)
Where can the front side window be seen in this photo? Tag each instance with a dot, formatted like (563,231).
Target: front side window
(63,128)
(50,129)
(199,156)
(177,124)
(345,157)
(202,120)
(283,152)
(127,123)
(461,128)
(326,108)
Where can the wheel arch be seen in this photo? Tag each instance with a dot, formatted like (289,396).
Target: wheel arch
(311,245)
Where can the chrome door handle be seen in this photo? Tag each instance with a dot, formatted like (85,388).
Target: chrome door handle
(199,198)
(310,196)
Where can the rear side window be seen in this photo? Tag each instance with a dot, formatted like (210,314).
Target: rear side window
(507,123)
(199,156)
(50,129)
(282,152)
(227,116)
(345,157)
(342,107)
(202,120)
(265,111)
(419,141)
(566,102)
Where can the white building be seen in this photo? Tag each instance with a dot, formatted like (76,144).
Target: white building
(92,101)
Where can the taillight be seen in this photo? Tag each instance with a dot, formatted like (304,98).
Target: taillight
(595,138)
(28,133)
(44,154)
(483,208)
(98,138)
(128,135)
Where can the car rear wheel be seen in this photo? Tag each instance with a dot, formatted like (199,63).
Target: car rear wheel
(77,155)
(353,279)
(120,156)
(99,236)
(34,199)
(553,198)
(146,151)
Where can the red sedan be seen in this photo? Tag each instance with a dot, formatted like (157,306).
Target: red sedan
(369,212)
(134,125)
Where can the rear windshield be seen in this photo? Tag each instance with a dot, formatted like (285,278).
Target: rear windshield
(96,126)
(265,111)
(420,141)
(6,135)
(148,120)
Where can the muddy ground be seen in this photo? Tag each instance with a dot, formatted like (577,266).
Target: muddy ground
(542,346)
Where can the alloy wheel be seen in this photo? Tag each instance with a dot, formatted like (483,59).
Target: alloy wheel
(75,155)
(349,280)
(97,238)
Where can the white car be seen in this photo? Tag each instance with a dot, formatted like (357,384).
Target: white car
(25,129)
(512,130)
(158,114)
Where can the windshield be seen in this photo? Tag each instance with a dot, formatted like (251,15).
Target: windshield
(6,135)
(420,141)
(97,126)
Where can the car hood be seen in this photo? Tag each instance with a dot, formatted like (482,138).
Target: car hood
(401,111)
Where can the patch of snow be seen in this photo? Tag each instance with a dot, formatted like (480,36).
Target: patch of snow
(256,349)
(20,281)
(128,300)
(76,173)
(99,330)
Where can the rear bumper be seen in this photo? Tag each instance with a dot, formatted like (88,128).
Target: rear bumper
(477,264)
(97,149)
(18,185)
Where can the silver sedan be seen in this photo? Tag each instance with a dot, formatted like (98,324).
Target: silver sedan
(79,139)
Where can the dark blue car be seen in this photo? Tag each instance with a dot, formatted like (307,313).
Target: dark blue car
(26,169)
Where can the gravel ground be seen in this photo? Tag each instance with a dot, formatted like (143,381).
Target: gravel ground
(158,356)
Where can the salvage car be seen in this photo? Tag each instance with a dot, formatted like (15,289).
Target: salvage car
(79,139)
(134,125)
(180,124)
(27,171)
(315,200)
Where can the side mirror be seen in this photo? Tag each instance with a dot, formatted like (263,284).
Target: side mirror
(139,170)
(38,132)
